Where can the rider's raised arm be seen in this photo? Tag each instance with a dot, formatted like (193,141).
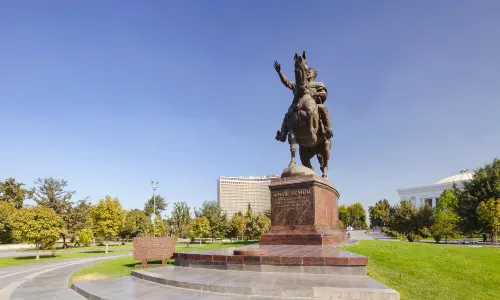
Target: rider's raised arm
(289,84)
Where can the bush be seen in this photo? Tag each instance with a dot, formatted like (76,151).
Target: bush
(410,237)
(84,236)
(424,232)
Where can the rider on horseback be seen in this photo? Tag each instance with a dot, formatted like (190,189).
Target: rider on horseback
(318,92)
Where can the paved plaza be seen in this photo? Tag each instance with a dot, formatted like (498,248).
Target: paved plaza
(44,280)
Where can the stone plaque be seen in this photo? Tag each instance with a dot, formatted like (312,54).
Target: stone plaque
(153,248)
(293,206)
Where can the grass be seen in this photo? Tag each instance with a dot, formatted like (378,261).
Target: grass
(123,266)
(16,261)
(432,271)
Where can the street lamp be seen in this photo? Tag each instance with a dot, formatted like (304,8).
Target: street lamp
(154,186)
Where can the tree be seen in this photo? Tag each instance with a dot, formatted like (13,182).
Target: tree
(160,229)
(13,192)
(446,218)
(161,206)
(199,228)
(344,216)
(39,225)
(216,218)
(358,215)
(404,217)
(136,223)
(50,192)
(77,217)
(107,218)
(238,225)
(84,236)
(483,186)
(180,219)
(267,213)
(489,212)
(7,210)
(423,217)
(380,213)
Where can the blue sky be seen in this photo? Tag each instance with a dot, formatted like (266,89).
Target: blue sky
(110,95)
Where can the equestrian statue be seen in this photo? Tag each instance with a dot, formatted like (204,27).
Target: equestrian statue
(307,122)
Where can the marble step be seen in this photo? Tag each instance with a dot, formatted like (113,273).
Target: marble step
(283,285)
(136,289)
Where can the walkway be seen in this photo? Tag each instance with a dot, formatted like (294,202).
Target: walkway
(44,280)
(376,235)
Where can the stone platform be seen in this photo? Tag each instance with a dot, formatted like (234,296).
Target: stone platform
(315,259)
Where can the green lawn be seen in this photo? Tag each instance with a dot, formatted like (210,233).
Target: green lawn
(15,261)
(124,266)
(431,271)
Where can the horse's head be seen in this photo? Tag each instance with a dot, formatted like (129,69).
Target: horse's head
(301,70)
(300,62)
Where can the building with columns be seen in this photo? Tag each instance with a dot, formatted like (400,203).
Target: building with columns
(430,193)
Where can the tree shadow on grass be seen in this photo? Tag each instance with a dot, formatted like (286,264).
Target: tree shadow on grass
(42,256)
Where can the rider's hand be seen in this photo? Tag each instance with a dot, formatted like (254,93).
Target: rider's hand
(277,66)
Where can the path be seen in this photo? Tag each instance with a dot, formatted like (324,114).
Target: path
(374,235)
(44,280)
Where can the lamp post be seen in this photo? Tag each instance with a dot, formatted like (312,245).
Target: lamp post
(154,185)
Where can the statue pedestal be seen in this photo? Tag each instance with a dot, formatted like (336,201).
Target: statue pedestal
(304,211)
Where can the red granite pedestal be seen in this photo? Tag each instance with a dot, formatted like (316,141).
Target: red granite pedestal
(304,211)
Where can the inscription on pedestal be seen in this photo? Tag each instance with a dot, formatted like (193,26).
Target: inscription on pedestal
(292,207)
(294,199)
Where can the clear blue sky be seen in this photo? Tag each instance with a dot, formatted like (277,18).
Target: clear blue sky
(110,95)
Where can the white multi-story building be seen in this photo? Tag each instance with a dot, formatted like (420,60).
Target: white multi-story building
(430,193)
(235,193)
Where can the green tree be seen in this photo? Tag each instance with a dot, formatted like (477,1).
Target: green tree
(160,229)
(199,228)
(13,192)
(7,210)
(136,223)
(39,225)
(107,218)
(267,213)
(423,217)
(446,218)
(484,185)
(344,216)
(216,218)
(161,206)
(489,212)
(238,225)
(404,217)
(84,236)
(380,213)
(358,215)
(180,219)
(50,192)
(77,217)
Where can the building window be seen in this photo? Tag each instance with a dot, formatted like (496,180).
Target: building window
(429,200)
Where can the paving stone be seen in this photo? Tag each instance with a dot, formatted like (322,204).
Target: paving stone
(275,284)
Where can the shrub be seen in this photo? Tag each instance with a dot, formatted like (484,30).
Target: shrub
(410,237)
(424,232)
(84,236)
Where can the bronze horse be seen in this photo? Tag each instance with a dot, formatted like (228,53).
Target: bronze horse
(304,123)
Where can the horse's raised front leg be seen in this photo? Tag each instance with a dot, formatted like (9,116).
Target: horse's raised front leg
(293,148)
